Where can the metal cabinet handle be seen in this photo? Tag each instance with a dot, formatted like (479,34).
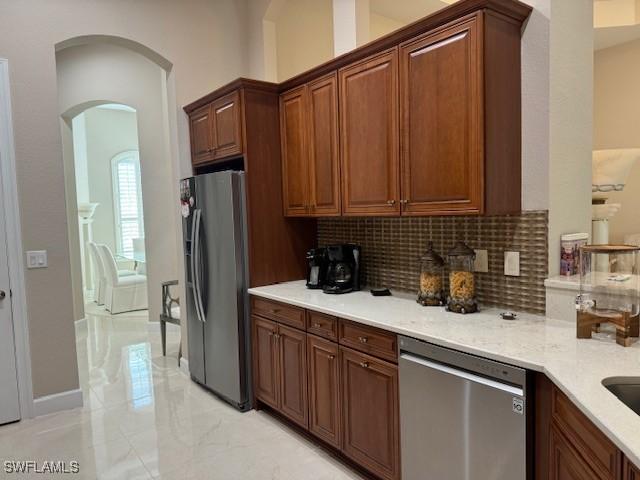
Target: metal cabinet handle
(275,310)
(391,202)
(331,357)
(317,325)
(3,294)
(364,364)
(404,202)
(363,339)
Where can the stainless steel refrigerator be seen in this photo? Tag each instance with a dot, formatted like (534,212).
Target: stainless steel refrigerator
(215,239)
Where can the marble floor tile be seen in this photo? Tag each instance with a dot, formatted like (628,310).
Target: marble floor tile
(143,418)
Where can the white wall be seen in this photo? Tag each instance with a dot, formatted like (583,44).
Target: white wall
(205,41)
(379,25)
(616,107)
(571,122)
(102,71)
(304,36)
(108,133)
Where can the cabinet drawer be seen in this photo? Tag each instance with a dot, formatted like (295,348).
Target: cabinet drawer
(596,449)
(280,312)
(322,325)
(369,340)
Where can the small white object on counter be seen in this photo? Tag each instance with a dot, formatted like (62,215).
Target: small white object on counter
(550,346)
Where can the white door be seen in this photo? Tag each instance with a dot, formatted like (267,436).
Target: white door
(9,402)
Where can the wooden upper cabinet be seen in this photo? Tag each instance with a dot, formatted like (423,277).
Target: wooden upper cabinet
(265,361)
(227,126)
(442,122)
(295,156)
(292,345)
(309,135)
(323,147)
(201,135)
(369,146)
(370,413)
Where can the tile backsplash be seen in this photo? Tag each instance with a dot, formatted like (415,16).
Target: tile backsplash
(392,248)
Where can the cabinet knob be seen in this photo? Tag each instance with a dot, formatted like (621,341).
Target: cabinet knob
(331,357)
(363,339)
(404,202)
(317,325)
(364,364)
(391,202)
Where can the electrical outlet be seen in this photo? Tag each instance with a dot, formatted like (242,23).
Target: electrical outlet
(512,264)
(481,263)
(37,259)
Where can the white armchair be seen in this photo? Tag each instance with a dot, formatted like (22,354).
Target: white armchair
(122,293)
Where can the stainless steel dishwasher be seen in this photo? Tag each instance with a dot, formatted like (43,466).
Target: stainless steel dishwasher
(462,417)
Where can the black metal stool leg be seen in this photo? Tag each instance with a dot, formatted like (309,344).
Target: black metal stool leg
(163,333)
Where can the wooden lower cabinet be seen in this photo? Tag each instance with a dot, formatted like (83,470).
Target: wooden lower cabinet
(346,398)
(280,368)
(292,348)
(568,446)
(265,361)
(564,462)
(370,413)
(324,390)
(630,471)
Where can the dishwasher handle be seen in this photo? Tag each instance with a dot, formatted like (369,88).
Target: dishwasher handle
(462,374)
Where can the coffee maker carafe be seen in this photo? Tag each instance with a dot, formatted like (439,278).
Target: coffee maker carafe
(343,272)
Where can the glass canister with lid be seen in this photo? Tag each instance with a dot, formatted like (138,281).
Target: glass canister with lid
(609,291)
(462,287)
(431,271)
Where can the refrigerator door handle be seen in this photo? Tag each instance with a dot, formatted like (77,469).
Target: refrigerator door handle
(195,260)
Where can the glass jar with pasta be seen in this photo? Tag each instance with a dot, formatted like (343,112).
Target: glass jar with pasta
(462,286)
(432,267)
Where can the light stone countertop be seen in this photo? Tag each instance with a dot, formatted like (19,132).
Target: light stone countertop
(576,366)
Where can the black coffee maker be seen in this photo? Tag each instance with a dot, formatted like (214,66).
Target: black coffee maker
(317,271)
(343,272)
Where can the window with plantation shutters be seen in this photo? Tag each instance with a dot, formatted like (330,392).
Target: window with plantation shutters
(127,198)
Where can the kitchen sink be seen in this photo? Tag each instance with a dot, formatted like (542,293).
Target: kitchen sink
(627,389)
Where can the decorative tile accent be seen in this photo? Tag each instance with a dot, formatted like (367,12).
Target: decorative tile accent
(392,247)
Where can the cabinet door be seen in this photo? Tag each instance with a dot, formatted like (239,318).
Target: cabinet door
(564,462)
(441,123)
(370,413)
(293,374)
(369,136)
(295,158)
(324,390)
(201,135)
(630,471)
(323,146)
(227,128)
(265,358)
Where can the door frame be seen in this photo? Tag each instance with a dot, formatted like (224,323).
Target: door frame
(14,245)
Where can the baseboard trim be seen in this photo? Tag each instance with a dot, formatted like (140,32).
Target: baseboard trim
(184,366)
(57,402)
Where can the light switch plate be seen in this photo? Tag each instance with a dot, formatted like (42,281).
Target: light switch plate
(512,264)
(37,259)
(481,263)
